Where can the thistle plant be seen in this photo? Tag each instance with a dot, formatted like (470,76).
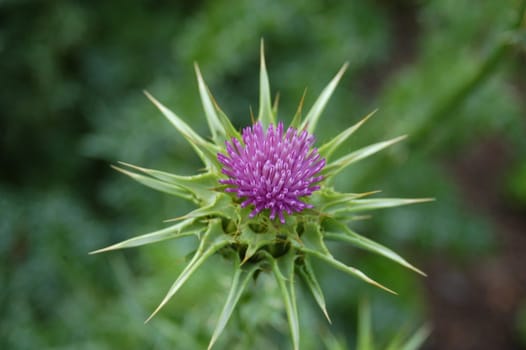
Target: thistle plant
(265,200)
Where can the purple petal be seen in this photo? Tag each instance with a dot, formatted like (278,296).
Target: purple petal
(272,169)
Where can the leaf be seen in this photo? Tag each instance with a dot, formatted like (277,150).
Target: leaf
(157,184)
(413,343)
(220,207)
(296,120)
(275,106)
(364,339)
(218,122)
(216,128)
(311,120)
(342,267)
(204,149)
(378,203)
(238,285)
(417,340)
(199,186)
(341,163)
(333,230)
(182,229)
(333,343)
(365,243)
(227,124)
(329,147)
(332,201)
(288,294)
(307,273)
(205,250)
(265,115)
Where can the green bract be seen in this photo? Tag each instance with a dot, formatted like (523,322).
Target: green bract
(260,244)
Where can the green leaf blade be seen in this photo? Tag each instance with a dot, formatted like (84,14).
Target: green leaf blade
(296,120)
(204,149)
(307,273)
(216,127)
(205,250)
(329,147)
(364,339)
(182,229)
(372,246)
(231,131)
(156,184)
(347,269)
(200,186)
(416,341)
(311,120)
(288,295)
(367,204)
(265,114)
(330,201)
(341,163)
(238,285)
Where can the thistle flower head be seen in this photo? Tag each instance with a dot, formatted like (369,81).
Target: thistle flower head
(263,171)
(272,170)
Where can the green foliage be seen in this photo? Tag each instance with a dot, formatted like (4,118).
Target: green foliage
(226,227)
(365,337)
(73,73)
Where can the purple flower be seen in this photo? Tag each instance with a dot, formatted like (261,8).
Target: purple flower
(272,170)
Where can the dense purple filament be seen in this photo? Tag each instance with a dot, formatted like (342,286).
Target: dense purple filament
(272,170)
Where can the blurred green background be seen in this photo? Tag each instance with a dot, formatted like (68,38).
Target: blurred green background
(450,74)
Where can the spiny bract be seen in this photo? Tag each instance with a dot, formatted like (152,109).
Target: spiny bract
(251,180)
